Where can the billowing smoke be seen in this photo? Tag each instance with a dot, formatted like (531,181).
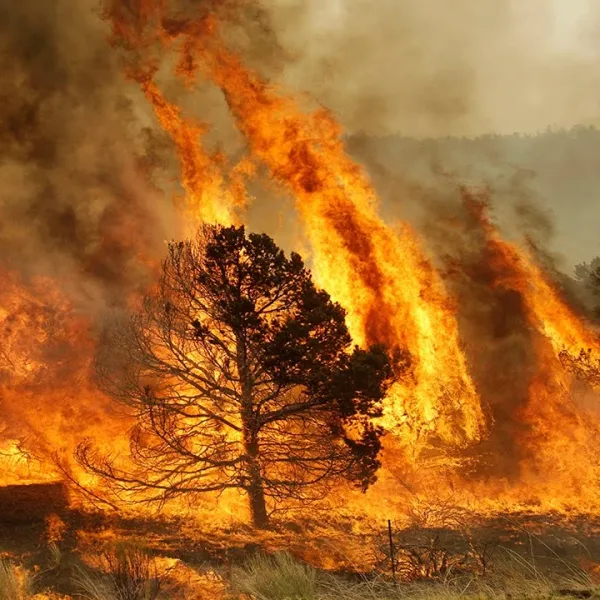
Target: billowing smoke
(76,143)
(76,154)
(81,218)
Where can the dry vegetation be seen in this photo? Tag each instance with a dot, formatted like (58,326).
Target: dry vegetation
(431,564)
(133,575)
(282,578)
(15,583)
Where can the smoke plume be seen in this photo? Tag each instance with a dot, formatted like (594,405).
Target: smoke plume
(76,154)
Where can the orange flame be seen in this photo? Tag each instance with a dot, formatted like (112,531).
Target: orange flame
(391,291)
(547,310)
(208,197)
(49,402)
(557,443)
(381,274)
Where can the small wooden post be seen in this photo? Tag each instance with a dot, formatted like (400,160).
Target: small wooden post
(392,557)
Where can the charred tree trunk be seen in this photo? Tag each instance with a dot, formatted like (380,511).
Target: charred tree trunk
(255,486)
(255,490)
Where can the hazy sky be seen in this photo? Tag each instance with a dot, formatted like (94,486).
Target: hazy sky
(429,68)
(461,67)
(568,20)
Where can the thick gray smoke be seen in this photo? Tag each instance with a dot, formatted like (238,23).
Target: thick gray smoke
(78,142)
(76,154)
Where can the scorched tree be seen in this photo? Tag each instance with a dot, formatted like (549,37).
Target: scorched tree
(241,374)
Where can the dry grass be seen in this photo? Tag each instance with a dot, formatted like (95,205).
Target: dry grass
(282,578)
(277,577)
(126,574)
(15,583)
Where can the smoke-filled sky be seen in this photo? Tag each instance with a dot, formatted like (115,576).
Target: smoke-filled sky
(430,68)
(76,138)
(427,68)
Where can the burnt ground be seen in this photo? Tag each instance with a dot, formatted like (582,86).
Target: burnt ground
(552,544)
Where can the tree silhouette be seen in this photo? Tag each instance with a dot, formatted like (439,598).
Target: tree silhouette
(241,375)
(587,275)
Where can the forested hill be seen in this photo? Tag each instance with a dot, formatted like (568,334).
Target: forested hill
(558,170)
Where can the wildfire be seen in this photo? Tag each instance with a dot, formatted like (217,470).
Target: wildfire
(556,446)
(383,278)
(439,416)
(547,311)
(47,395)
(208,197)
(391,291)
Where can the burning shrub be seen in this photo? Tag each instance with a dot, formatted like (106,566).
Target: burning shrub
(585,366)
(55,528)
(443,541)
(434,553)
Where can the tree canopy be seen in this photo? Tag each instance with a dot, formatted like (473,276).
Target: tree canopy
(241,374)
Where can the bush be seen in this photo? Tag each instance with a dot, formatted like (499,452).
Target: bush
(128,574)
(277,577)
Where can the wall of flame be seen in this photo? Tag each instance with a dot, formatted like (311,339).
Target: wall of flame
(486,414)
